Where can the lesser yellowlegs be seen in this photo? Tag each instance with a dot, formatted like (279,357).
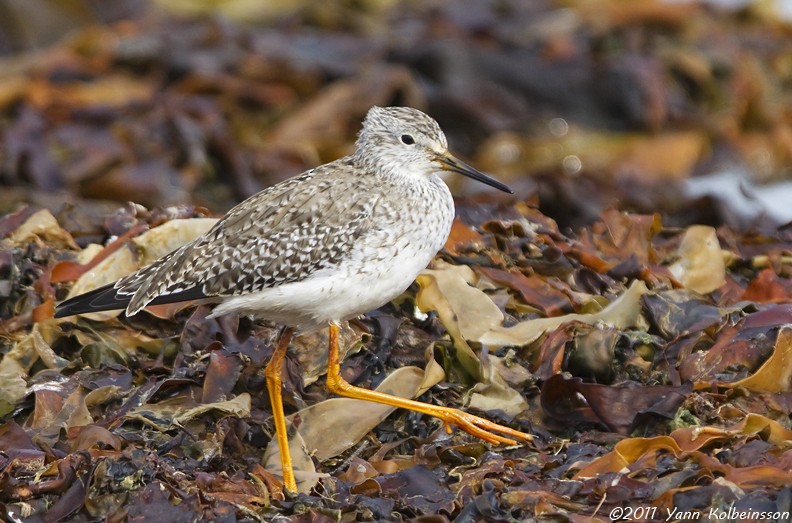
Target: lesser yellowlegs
(323,247)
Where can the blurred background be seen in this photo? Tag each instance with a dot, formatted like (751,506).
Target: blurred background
(682,108)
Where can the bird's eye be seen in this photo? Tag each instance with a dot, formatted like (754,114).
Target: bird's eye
(407,139)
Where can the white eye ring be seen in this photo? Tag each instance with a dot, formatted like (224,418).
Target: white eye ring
(407,139)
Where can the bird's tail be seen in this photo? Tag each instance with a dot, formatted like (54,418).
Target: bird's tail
(105,298)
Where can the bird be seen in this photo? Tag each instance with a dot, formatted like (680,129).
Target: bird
(318,249)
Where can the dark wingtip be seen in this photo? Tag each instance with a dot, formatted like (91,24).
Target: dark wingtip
(104,298)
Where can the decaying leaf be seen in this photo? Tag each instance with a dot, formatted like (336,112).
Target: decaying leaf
(775,375)
(237,406)
(14,368)
(57,409)
(623,312)
(15,365)
(179,410)
(467,312)
(700,266)
(42,226)
(694,438)
(311,350)
(684,444)
(494,393)
(618,407)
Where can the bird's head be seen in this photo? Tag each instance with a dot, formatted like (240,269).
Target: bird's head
(406,142)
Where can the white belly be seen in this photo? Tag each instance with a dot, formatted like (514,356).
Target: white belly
(332,295)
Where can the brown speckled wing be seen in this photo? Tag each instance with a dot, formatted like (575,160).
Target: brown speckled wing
(280,235)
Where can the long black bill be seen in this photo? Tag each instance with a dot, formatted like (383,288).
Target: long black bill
(454,164)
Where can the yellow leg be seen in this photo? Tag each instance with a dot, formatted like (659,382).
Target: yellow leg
(274,382)
(471,424)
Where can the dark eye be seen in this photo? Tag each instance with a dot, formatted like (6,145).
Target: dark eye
(407,139)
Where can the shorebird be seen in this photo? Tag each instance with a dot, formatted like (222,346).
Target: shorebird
(323,247)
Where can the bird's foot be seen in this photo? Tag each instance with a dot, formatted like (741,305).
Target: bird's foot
(477,426)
